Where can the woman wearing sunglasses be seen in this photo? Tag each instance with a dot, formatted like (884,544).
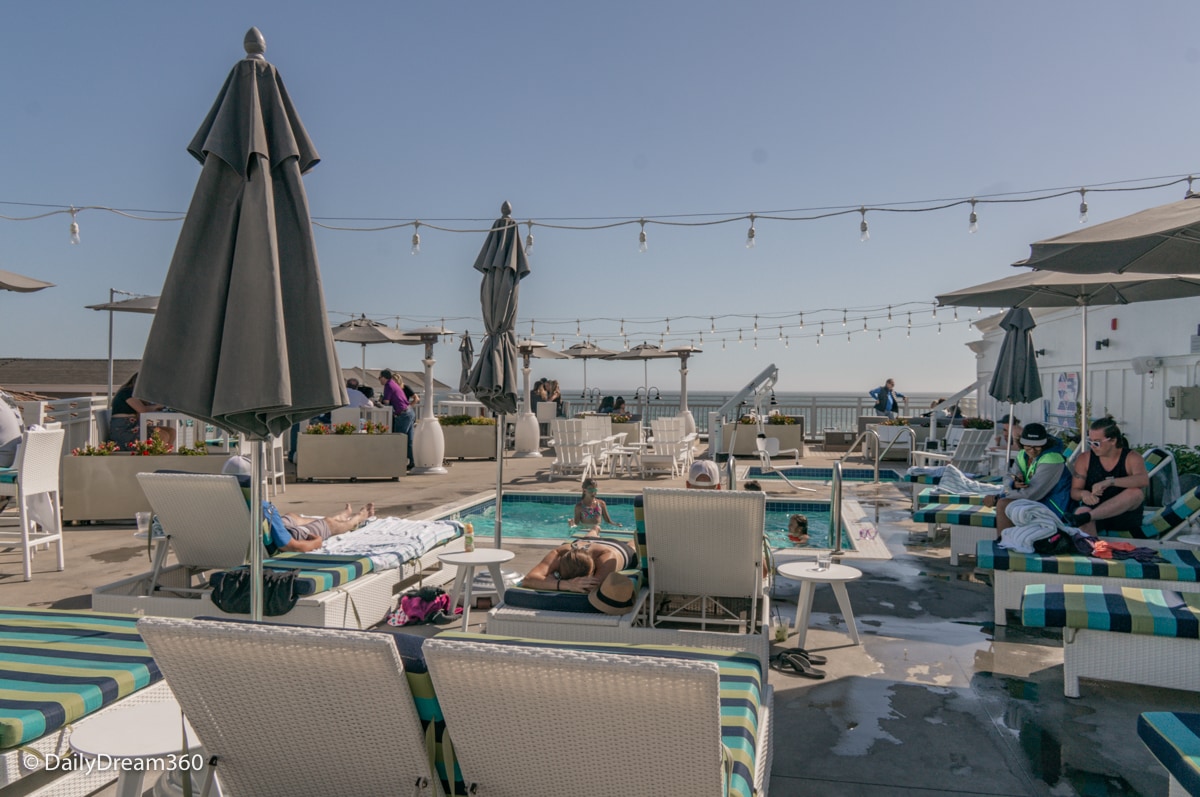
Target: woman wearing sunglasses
(1109,482)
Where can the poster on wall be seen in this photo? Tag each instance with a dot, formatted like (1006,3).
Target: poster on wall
(1066,395)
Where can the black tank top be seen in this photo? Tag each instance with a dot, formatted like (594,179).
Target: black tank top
(1096,474)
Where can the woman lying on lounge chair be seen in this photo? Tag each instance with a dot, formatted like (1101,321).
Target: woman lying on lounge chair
(310,533)
(581,565)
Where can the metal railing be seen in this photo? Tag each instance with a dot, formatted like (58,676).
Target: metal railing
(879,454)
(81,418)
(835,508)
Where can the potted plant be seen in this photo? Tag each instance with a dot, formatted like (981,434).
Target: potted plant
(469,436)
(625,423)
(99,482)
(339,451)
(789,430)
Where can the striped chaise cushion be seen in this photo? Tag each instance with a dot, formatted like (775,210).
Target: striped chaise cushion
(1130,610)
(316,572)
(1174,739)
(1169,517)
(931,496)
(58,666)
(957,515)
(921,478)
(1177,564)
(742,685)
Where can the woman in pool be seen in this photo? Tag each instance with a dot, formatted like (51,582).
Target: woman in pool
(591,510)
(581,565)
(798,529)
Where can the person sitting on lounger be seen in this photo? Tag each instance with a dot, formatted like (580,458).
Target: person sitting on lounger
(1039,473)
(581,565)
(591,510)
(1109,484)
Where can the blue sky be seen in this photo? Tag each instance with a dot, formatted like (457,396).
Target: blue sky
(618,110)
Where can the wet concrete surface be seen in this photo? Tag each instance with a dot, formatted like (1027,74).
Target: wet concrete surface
(934,701)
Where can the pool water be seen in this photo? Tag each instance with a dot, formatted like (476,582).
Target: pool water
(546,517)
(823,474)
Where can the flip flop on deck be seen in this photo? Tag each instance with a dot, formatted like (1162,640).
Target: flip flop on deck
(792,662)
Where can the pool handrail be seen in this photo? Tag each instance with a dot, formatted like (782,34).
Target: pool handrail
(835,506)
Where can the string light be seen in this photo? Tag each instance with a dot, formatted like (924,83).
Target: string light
(865,329)
(864,233)
(531,332)
(881,334)
(642,246)
(1083,208)
(739,336)
(821,334)
(781,331)
(722,344)
(577,329)
(756,343)
(668,332)
(787,343)
(750,233)
(622,327)
(74,228)
(889,312)
(529,238)
(847,337)
(910,320)
(955,313)
(802,320)
(756,325)
(939,327)
(712,324)
(416,239)
(973,219)
(934,313)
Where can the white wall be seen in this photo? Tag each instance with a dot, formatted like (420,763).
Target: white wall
(1159,329)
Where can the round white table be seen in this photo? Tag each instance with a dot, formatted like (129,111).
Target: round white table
(466,562)
(143,731)
(805,571)
(1190,539)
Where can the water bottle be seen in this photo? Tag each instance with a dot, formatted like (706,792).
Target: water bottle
(469,537)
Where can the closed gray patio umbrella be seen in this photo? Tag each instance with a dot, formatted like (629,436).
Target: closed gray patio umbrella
(240,338)
(466,351)
(1159,240)
(493,380)
(1016,379)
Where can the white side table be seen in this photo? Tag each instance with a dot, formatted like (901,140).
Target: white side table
(143,731)
(836,576)
(466,562)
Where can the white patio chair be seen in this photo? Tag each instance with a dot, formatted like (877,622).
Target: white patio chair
(572,450)
(768,447)
(706,550)
(33,481)
(670,449)
(547,412)
(226,677)
(275,474)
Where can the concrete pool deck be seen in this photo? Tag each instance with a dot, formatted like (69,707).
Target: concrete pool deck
(935,701)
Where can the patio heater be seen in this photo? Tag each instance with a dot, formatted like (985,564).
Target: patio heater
(429,443)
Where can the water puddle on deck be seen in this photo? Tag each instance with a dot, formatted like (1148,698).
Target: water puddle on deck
(1044,754)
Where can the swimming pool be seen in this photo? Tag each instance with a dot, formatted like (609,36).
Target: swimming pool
(823,474)
(544,516)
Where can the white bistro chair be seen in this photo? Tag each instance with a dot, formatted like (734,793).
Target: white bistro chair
(33,481)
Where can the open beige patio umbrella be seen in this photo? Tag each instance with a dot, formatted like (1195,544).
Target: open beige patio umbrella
(1054,289)
(1159,240)
(20,283)
(527,437)
(644,352)
(586,351)
(364,331)
(240,338)
(135,304)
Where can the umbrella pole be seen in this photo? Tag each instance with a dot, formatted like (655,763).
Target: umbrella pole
(111,295)
(1084,420)
(256,548)
(499,473)
(1008,445)
(364,360)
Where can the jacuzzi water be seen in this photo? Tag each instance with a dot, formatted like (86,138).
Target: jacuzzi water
(545,516)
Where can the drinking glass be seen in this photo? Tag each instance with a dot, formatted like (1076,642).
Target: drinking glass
(143,522)
(824,558)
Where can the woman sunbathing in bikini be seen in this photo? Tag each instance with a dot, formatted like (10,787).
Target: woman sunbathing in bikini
(581,565)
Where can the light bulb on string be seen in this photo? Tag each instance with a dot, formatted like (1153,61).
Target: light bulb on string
(978,311)
(712,324)
(787,342)
(756,324)
(889,312)
(865,329)
(1083,208)
(722,344)
(843,318)
(934,311)
(910,320)
(802,320)
(750,233)
(756,343)
(847,337)
(821,334)
(661,341)
(622,326)
(818,340)
(973,219)
(577,328)
(701,338)
(668,322)
(881,334)
(74,228)
(939,327)
(531,332)
(908,334)
(416,239)
(781,331)
(529,238)
(739,336)
(955,313)
(642,246)
(864,234)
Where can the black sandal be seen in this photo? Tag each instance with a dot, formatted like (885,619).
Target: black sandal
(813,658)
(795,664)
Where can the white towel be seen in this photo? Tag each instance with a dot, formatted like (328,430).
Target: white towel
(392,541)
(957,482)
(1033,521)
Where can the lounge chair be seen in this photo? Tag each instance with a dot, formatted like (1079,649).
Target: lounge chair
(207,522)
(967,456)
(542,717)
(286,710)
(33,481)
(1174,739)
(705,551)
(768,447)
(60,669)
(572,450)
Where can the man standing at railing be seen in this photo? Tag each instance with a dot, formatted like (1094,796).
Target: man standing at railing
(887,399)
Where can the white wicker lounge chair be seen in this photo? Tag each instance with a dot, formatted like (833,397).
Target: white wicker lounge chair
(259,696)
(207,524)
(706,550)
(35,473)
(654,721)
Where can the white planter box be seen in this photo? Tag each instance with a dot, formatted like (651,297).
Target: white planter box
(106,488)
(474,442)
(351,456)
(633,432)
(903,441)
(745,444)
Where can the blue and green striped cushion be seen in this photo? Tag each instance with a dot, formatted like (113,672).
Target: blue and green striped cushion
(1177,564)
(741,683)
(921,478)
(931,496)
(1174,739)
(957,515)
(316,572)
(1130,610)
(8,475)
(1169,517)
(58,666)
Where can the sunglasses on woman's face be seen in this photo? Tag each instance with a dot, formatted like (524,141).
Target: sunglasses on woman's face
(1096,443)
